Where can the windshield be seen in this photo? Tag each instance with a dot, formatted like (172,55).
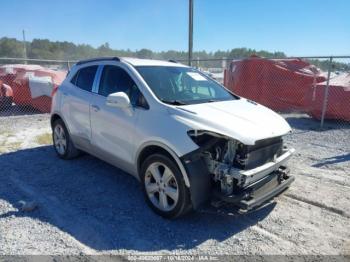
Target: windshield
(182,85)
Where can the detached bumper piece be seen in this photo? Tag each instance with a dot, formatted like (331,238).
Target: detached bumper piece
(260,192)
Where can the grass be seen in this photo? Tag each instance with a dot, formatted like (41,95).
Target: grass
(6,146)
(9,142)
(44,139)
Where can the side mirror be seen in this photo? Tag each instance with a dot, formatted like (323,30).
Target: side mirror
(119,99)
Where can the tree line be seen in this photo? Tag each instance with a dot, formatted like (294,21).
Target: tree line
(63,50)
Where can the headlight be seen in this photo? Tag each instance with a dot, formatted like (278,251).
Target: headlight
(203,137)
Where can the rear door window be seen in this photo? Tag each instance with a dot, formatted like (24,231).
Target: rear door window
(84,78)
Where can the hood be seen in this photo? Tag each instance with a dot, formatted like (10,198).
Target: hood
(241,119)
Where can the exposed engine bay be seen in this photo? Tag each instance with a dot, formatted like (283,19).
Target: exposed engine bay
(236,169)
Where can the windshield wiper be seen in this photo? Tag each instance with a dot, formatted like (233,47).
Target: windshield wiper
(174,102)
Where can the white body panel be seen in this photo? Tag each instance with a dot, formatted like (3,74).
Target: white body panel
(75,108)
(113,129)
(240,119)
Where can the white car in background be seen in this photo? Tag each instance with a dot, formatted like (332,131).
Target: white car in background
(184,136)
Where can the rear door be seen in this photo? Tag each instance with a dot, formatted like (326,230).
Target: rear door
(76,104)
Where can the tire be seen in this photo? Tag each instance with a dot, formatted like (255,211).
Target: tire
(165,192)
(62,142)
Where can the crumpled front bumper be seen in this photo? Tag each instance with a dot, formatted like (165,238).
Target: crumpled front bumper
(258,197)
(249,177)
(255,185)
(262,183)
(260,192)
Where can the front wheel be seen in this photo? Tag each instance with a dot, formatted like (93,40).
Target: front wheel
(164,187)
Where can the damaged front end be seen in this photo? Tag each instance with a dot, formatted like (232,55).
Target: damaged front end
(245,175)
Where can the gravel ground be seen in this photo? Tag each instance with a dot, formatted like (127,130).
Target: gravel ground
(85,206)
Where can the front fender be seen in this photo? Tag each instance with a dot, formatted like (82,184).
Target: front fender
(171,152)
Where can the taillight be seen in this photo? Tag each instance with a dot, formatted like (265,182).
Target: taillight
(54,90)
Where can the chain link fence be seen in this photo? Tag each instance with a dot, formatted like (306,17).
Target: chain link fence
(317,88)
(26,85)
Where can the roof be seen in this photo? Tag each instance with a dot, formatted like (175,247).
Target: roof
(133,61)
(149,62)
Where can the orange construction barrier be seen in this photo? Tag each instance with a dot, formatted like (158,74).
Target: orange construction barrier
(32,85)
(280,84)
(338,104)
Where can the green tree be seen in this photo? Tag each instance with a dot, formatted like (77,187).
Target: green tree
(46,49)
(144,53)
(10,47)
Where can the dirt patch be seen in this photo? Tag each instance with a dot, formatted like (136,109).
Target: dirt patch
(21,132)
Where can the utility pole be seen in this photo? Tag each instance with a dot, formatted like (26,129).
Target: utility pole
(24,47)
(326,92)
(190,32)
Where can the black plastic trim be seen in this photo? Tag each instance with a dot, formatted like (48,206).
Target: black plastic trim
(97,59)
(250,204)
(200,180)
(256,195)
(172,61)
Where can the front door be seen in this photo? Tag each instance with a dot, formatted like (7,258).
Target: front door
(113,128)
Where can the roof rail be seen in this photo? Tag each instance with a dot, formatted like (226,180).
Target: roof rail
(98,59)
(172,61)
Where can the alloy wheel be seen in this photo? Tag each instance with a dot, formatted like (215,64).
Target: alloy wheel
(161,186)
(60,139)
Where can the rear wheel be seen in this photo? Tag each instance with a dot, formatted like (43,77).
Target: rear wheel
(63,145)
(164,187)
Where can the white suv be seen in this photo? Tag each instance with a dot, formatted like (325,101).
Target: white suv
(183,135)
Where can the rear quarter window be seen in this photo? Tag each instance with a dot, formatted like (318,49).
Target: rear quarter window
(84,78)
(74,78)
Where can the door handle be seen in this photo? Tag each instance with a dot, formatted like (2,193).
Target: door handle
(96,108)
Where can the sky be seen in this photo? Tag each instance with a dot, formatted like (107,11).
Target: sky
(296,27)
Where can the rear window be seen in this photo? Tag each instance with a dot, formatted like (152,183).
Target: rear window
(84,78)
